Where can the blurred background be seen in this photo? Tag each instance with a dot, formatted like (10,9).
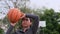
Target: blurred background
(47,10)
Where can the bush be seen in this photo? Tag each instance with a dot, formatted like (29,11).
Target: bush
(1,31)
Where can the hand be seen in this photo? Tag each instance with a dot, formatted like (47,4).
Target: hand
(13,24)
(23,16)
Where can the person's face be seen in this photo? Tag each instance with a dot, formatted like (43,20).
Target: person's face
(26,22)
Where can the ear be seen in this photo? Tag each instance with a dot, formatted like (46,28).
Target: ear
(30,22)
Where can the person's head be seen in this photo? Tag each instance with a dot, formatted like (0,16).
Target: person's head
(26,22)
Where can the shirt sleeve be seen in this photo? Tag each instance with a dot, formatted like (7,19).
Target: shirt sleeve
(35,23)
(10,29)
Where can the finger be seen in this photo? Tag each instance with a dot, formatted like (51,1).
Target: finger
(23,16)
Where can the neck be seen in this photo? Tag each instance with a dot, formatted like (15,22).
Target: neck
(24,29)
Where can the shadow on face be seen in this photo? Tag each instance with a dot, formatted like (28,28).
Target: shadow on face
(26,22)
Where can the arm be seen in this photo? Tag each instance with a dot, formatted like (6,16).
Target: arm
(12,26)
(35,24)
(10,29)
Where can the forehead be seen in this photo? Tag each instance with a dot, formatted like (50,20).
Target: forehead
(26,19)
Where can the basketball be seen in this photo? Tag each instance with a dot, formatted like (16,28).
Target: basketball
(14,15)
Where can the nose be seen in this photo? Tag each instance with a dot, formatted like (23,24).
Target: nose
(24,21)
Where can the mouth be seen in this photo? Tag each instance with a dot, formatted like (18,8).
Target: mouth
(25,26)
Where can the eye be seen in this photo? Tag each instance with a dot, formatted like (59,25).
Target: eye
(26,19)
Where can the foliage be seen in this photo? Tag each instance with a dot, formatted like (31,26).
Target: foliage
(51,17)
(48,15)
(1,31)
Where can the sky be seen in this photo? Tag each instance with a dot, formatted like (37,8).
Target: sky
(54,4)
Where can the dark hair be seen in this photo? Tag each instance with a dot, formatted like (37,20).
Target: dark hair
(31,20)
(27,19)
